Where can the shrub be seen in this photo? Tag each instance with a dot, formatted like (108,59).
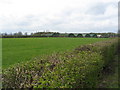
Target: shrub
(72,72)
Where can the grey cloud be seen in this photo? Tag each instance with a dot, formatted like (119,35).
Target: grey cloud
(97,9)
(23,23)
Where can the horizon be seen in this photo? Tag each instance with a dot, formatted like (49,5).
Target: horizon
(56,32)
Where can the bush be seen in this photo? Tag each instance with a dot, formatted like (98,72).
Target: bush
(77,69)
(71,72)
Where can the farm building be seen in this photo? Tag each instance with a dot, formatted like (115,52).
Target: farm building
(55,34)
(99,36)
(79,35)
(93,35)
(75,34)
(63,35)
(83,35)
(46,35)
(68,35)
(71,35)
(86,35)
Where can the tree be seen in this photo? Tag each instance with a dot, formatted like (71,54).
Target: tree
(15,34)
(25,33)
(32,33)
(19,33)
(4,34)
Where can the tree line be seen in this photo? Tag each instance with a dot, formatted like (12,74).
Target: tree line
(50,34)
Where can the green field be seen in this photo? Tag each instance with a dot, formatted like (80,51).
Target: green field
(15,50)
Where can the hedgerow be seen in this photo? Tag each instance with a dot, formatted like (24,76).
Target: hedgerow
(76,69)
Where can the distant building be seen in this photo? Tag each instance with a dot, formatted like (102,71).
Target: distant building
(55,34)
(46,35)
(99,36)
(79,35)
(71,35)
(63,35)
(93,35)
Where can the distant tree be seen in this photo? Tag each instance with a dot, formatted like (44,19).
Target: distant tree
(19,33)
(55,34)
(31,33)
(25,33)
(4,34)
(10,34)
(91,33)
(15,34)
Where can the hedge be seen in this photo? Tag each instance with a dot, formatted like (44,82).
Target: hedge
(76,69)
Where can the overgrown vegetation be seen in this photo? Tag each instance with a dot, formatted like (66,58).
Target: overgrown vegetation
(109,75)
(76,69)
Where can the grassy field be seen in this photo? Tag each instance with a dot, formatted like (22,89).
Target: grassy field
(15,50)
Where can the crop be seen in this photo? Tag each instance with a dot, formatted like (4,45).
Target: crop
(16,50)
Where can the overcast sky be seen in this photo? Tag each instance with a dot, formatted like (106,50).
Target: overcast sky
(59,15)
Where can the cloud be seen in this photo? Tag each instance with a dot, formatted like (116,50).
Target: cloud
(59,15)
(97,9)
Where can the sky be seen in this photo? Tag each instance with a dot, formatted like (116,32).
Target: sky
(80,16)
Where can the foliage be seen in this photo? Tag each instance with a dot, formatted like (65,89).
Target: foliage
(72,71)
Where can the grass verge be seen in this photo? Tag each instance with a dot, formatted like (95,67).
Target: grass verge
(110,75)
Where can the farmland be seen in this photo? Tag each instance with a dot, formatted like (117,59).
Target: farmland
(15,50)
(82,66)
